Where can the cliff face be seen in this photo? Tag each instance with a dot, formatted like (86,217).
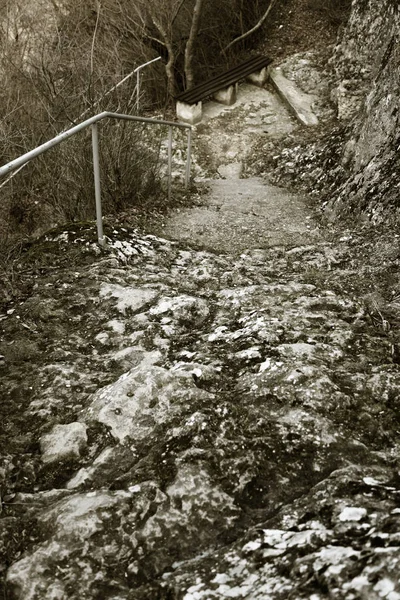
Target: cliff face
(367,62)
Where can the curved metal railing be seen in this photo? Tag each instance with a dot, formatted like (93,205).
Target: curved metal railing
(93,123)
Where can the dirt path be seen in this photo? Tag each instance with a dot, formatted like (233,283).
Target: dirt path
(240,212)
(244,213)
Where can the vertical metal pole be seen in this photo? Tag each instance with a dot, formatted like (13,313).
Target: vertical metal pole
(169,161)
(137,71)
(97,187)
(137,90)
(188,158)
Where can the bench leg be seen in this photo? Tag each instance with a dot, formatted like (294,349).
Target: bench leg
(227,95)
(259,77)
(189,113)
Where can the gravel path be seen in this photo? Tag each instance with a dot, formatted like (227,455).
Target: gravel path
(243,213)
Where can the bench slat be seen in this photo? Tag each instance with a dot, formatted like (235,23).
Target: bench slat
(201,91)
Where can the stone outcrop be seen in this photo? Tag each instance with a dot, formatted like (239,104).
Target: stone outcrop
(247,448)
(63,442)
(233,416)
(367,65)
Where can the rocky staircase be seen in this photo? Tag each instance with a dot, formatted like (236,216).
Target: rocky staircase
(201,420)
(214,415)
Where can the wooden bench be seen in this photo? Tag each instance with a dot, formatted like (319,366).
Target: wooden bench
(223,88)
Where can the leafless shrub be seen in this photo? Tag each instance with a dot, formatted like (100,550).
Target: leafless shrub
(333,11)
(46,93)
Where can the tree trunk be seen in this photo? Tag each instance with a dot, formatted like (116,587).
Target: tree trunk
(169,67)
(189,50)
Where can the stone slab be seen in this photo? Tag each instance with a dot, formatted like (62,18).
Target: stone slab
(298,101)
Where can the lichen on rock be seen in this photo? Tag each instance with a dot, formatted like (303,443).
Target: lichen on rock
(63,442)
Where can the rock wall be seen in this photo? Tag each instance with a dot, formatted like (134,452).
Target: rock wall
(367,62)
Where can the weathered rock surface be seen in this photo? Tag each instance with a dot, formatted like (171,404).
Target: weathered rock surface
(236,409)
(247,447)
(63,442)
(367,64)
(142,398)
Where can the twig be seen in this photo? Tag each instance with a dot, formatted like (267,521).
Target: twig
(94,38)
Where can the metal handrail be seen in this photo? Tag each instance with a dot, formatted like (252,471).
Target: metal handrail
(92,122)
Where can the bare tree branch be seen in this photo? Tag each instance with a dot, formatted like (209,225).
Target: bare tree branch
(253,29)
(94,37)
(169,67)
(177,11)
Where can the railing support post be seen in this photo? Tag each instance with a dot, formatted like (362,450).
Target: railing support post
(137,71)
(169,161)
(97,186)
(188,157)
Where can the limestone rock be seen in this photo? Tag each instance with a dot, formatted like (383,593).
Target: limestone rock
(193,509)
(63,442)
(111,463)
(299,550)
(367,62)
(241,406)
(130,298)
(142,398)
(75,522)
(256,444)
(186,310)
